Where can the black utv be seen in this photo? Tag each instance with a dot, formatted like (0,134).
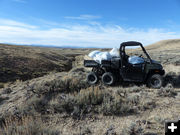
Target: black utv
(119,69)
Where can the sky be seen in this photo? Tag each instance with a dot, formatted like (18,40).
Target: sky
(88,23)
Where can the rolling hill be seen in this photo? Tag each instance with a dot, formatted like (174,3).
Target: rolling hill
(169,45)
(166,51)
(25,62)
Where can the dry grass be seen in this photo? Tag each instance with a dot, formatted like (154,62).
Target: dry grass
(26,125)
(66,102)
(172,68)
(92,100)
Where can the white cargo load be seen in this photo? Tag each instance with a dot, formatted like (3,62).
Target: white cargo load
(114,52)
(102,56)
(98,56)
(93,53)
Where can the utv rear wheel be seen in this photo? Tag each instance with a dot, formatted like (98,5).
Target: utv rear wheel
(155,81)
(92,78)
(108,78)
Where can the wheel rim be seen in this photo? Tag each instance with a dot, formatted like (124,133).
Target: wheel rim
(155,82)
(107,79)
(91,78)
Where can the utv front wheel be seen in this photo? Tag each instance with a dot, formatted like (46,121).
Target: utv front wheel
(92,78)
(155,81)
(108,78)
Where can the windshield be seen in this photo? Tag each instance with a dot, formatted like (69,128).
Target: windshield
(135,51)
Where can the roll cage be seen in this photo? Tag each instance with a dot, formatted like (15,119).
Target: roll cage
(131,43)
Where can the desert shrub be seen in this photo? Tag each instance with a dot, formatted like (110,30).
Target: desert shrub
(159,119)
(67,84)
(43,102)
(146,101)
(63,104)
(135,89)
(116,105)
(85,131)
(72,84)
(167,91)
(34,106)
(133,129)
(80,103)
(7,90)
(26,125)
(92,95)
(76,102)
(97,100)
(87,100)
(104,101)
(48,86)
(111,131)
(94,99)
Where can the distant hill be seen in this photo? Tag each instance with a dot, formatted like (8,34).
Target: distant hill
(52,46)
(166,51)
(26,62)
(170,45)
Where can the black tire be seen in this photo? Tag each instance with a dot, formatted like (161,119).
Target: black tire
(92,78)
(155,81)
(108,78)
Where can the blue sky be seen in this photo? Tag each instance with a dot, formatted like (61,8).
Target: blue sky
(97,23)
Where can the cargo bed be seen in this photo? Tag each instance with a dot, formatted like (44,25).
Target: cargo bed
(91,63)
(113,63)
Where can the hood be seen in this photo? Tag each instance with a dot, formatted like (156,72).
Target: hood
(156,62)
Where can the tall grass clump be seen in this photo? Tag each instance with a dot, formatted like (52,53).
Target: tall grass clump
(26,125)
(97,100)
(66,84)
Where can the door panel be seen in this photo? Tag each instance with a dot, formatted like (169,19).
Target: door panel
(132,72)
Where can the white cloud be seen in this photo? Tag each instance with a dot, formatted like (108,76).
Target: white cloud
(45,22)
(83,17)
(8,22)
(20,1)
(81,35)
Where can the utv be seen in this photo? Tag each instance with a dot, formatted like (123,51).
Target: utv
(119,69)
